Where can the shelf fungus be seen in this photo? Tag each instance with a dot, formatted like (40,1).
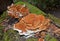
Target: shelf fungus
(17,11)
(31,24)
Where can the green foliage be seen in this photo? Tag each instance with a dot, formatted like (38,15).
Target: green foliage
(1,33)
(3,16)
(32,39)
(11,35)
(50,38)
(53,39)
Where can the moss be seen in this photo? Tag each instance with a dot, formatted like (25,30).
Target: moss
(50,38)
(55,20)
(32,9)
(53,39)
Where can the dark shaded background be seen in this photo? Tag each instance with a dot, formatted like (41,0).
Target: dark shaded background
(4,4)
